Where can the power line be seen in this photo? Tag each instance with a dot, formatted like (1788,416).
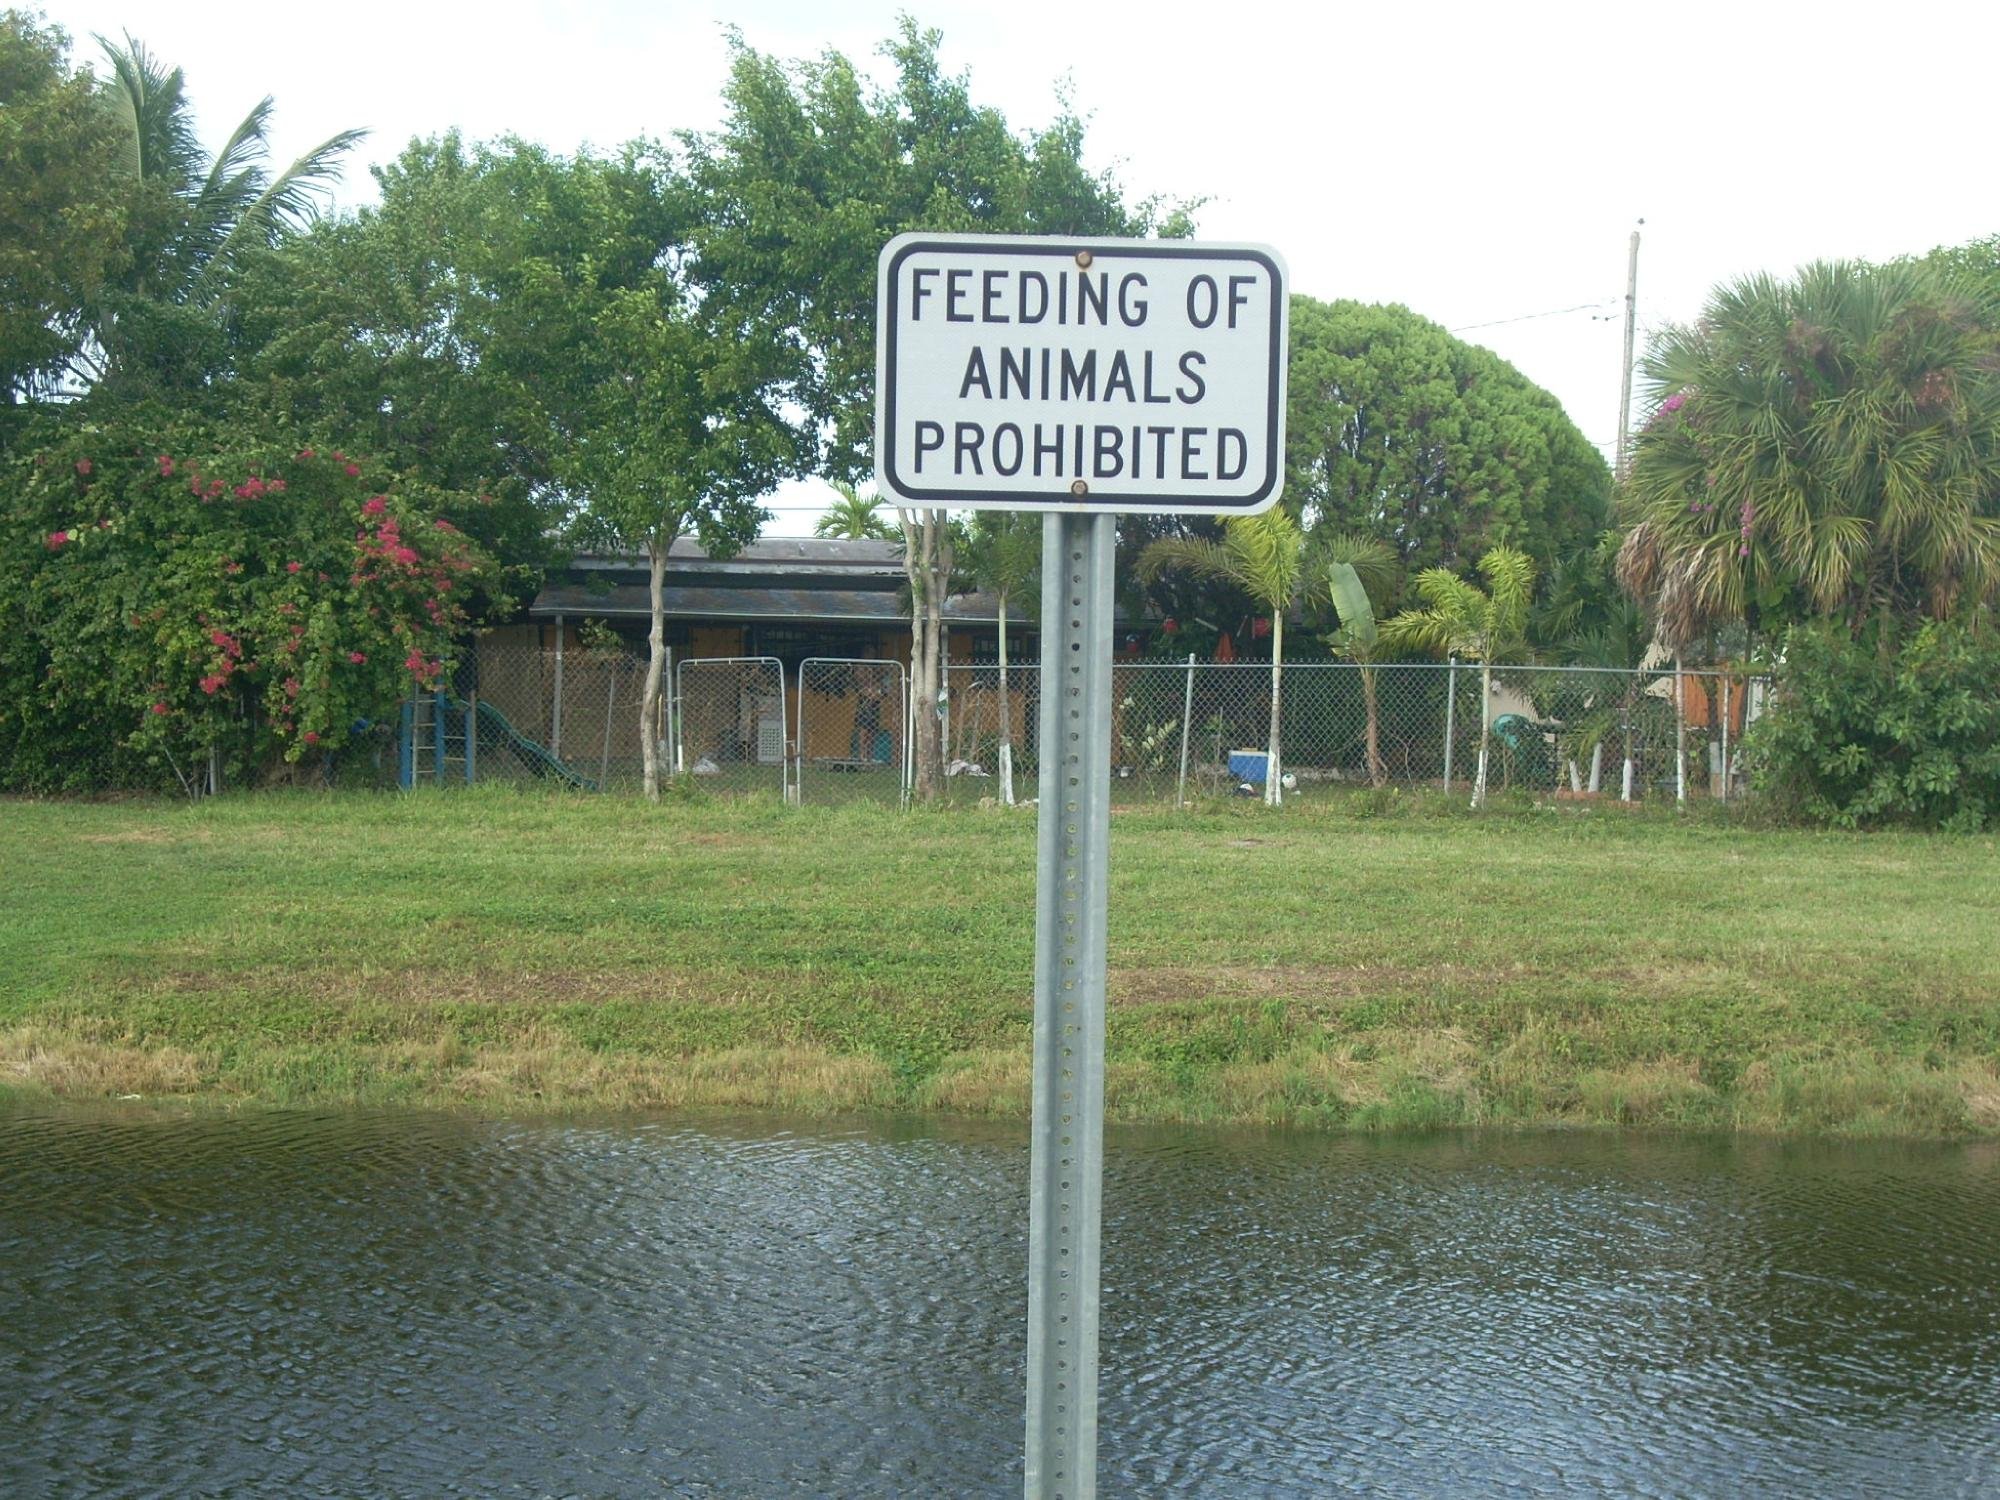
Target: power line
(1531,317)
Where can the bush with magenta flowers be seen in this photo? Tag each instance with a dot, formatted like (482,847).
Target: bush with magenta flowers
(171,590)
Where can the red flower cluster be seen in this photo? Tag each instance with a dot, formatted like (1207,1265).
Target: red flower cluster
(166,467)
(57,539)
(230,646)
(83,466)
(356,657)
(375,506)
(292,567)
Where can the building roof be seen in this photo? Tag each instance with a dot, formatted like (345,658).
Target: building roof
(789,579)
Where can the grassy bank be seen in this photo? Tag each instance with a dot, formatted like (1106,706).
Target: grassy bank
(513,951)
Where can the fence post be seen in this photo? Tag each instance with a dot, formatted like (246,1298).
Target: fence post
(1450,709)
(470,723)
(555,717)
(1187,713)
(1726,705)
(1680,734)
(610,711)
(670,690)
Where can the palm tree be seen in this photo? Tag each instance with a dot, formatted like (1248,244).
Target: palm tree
(1264,555)
(192,217)
(1003,553)
(1484,625)
(853,517)
(1826,445)
(1354,572)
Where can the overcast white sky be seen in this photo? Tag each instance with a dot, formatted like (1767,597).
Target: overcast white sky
(1478,162)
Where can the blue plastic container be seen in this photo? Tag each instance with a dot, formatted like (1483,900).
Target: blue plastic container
(1250,765)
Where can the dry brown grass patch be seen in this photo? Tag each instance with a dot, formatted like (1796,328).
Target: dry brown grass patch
(46,1058)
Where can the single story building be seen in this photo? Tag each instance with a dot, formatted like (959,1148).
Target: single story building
(785,597)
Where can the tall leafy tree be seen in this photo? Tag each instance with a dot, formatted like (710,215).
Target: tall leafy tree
(1397,430)
(657,423)
(375,331)
(1459,618)
(811,173)
(60,219)
(1004,553)
(1264,555)
(190,219)
(1823,446)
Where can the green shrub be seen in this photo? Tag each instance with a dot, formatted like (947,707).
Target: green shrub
(1866,732)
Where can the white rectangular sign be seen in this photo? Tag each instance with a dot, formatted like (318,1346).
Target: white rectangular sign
(1030,373)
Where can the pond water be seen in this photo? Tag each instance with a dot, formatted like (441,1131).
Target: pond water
(304,1304)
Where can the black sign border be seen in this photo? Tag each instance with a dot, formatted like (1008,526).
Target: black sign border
(1056,499)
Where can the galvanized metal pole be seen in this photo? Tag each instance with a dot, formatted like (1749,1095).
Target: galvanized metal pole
(1450,704)
(1067,1158)
(1726,706)
(555,714)
(1187,712)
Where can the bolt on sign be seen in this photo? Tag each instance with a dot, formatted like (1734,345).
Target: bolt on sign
(1086,376)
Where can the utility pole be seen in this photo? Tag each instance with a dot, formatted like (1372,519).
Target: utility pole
(1625,382)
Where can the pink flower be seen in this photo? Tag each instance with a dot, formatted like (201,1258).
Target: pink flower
(404,555)
(56,540)
(356,657)
(250,489)
(375,507)
(291,687)
(1674,402)
(444,525)
(159,708)
(292,567)
(354,471)
(1744,550)
(212,684)
(166,467)
(305,453)
(312,737)
(83,466)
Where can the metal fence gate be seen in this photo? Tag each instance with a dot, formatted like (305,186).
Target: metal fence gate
(853,739)
(733,727)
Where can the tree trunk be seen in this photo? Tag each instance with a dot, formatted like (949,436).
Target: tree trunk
(1006,767)
(1378,773)
(927,564)
(656,661)
(1274,793)
(1485,730)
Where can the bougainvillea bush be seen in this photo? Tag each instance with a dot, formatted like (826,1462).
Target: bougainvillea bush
(168,592)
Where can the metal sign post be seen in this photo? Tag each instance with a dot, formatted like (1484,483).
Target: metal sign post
(1066,1170)
(1082,378)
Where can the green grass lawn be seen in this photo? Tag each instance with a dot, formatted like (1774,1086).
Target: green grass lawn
(515,950)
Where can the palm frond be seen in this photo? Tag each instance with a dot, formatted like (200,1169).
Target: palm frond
(1173,554)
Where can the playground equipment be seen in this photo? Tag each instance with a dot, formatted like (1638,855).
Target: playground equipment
(443,738)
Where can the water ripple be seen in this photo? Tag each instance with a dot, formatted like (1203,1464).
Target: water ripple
(412,1305)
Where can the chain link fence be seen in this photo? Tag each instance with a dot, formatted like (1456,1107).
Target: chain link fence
(839,729)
